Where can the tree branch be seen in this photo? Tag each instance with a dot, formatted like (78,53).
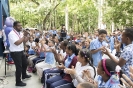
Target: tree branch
(48,15)
(37,3)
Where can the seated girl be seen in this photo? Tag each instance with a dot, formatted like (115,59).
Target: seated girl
(32,44)
(84,63)
(49,61)
(30,58)
(68,62)
(107,78)
(41,53)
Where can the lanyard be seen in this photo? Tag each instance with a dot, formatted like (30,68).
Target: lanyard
(17,34)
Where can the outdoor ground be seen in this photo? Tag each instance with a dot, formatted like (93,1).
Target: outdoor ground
(9,82)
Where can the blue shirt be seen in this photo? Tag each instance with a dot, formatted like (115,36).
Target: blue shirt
(42,54)
(119,37)
(69,60)
(51,31)
(108,38)
(78,40)
(37,35)
(67,37)
(54,32)
(49,59)
(31,51)
(97,57)
(112,43)
(113,82)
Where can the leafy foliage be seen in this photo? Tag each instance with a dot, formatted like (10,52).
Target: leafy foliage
(82,13)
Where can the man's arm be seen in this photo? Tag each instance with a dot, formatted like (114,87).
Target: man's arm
(23,39)
(26,39)
(18,42)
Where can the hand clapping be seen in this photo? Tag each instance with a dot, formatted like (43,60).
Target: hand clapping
(126,80)
(71,71)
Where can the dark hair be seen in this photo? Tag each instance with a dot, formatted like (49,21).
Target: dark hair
(37,40)
(46,41)
(111,66)
(27,29)
(102,32)
(87,85)
(73,48)
(88,57)
(16,23)
(65,43)
(129,33)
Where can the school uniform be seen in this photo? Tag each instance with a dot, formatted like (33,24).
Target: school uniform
(113,82)
(41,56)
(97,57)
(17,53)
(49,62)
(62,79)
(112,43)
(54,32)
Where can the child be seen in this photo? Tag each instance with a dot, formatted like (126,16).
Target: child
(105,78)
(84,63)
(49,59)
(32,44)
(87,43)
(68,62)
(96,46)
(30,58)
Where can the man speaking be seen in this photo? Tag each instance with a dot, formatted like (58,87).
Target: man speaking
(16,40)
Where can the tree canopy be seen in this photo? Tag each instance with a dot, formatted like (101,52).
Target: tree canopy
(83,14)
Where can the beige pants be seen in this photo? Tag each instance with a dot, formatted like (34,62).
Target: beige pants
(41,67)
(30,58)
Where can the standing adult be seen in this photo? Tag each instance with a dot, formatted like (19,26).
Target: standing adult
(63,33)
(16,40)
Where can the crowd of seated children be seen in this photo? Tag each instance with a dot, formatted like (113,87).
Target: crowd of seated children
(77,69)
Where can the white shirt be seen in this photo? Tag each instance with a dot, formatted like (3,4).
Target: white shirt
(13,37)
(79,72)
(31,44)
(63,53)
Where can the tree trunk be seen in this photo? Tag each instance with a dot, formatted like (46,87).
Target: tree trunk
(48,15)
